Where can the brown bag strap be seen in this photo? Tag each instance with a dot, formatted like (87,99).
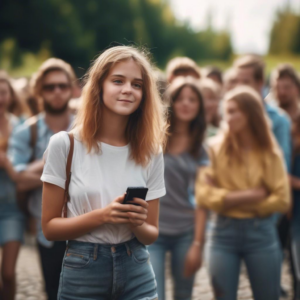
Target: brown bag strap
(68,173)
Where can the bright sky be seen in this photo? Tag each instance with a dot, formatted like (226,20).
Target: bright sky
(249,21)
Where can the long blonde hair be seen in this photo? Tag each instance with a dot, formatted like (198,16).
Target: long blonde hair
(251,104)
(146,127)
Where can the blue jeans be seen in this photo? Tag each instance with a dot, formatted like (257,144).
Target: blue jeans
(97,271)
(295,242)
(254,241)
(178,246)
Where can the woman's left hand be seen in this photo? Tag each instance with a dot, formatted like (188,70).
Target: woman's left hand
(138,217)
(193,260)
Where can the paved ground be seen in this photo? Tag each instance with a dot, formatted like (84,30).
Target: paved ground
(30,283)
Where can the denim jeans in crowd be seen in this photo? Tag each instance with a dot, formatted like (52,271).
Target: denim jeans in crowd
(97,271)
(253,241)
(178,247)
(295,243)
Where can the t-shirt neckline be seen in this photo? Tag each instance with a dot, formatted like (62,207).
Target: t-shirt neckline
(113,147)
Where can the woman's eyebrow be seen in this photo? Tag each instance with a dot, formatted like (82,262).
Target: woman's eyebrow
(122,76)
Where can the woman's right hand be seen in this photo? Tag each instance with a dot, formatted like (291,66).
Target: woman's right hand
(119,213)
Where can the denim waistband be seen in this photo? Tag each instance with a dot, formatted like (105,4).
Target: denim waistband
(249,221)
(87,247)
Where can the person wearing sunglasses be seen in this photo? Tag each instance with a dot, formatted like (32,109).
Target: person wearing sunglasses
(53,86)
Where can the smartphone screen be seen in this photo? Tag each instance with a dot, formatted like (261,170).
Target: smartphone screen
(135,192)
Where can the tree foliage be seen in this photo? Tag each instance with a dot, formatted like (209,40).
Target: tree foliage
(77,30)
(285,33)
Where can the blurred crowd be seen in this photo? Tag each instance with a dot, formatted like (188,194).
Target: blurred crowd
(232,173)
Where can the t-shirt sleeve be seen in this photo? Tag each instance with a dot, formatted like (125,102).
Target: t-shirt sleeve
(156,182)
(55,158)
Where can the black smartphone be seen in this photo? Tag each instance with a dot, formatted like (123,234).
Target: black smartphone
(135,192)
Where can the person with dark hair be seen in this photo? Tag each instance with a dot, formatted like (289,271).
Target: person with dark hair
(214,73)
(52,85)
(285,84)
(244,186)
(181,226)
(12,220)
(295,214)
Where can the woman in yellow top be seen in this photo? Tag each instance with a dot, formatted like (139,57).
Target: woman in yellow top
(245,184)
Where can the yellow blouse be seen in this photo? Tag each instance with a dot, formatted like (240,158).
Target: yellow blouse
(257,170)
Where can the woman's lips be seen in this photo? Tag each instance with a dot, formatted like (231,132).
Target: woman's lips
(124,100)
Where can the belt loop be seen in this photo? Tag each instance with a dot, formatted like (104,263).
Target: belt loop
(67,246)
(95,251)
(128,249)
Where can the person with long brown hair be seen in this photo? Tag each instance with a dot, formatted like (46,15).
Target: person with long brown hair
(181,226)
(118,135)
(244,185)
(52,85)
(11,218)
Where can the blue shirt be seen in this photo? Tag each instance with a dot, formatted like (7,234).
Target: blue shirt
(21,152)
(281,127)
(8,203)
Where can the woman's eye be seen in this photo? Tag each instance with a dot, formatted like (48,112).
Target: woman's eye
(137,85)
(118,81)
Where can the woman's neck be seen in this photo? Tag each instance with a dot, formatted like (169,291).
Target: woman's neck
(3,118)
(245,139)
(58,123)
(113,128)
(181,127)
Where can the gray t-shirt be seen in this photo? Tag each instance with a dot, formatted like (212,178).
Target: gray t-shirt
(177,207)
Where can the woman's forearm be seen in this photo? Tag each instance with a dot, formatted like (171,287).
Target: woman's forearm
(236,198)
(28,181)
(11,171)
(147,234)
(200,223)
(62,229)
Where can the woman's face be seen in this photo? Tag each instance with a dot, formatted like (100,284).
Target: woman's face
(187,105)
(123,88)
(211,103)
(235,118)
(5,97)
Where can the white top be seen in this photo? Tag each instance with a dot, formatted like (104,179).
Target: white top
(98,178)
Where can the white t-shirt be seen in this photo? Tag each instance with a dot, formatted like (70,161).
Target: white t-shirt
(98,178)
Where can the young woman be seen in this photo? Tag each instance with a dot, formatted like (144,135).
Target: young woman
(11,218)
(245,184)
(181,226)
(119,132)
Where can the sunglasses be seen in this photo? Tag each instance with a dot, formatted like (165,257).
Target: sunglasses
(51,87)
